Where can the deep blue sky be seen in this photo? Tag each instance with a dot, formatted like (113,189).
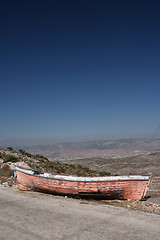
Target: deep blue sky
(87,69)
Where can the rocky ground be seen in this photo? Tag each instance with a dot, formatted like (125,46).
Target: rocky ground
(151,204)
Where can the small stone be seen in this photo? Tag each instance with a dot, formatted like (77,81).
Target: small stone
(5,184)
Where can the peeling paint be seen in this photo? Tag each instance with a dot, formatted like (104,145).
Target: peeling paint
(130,189)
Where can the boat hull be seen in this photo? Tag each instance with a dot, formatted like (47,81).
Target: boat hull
(110,189)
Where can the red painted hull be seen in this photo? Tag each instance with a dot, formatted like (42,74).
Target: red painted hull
(109,189)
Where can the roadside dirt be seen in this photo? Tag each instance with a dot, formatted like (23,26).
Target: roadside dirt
(6,176)
(150,204)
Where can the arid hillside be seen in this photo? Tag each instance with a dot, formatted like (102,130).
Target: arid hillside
(141,164)
(9,159)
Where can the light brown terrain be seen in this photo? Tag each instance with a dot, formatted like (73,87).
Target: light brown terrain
(141,164)
(96,149)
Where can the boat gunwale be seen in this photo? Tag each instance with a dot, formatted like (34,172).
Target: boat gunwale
(86,181)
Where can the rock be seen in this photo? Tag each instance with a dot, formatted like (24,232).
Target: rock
(1,160)
(5,184)
(22,164)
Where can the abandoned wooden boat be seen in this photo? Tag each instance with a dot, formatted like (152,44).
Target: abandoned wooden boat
(114,187)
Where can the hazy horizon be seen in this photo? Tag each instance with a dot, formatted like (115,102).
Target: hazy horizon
(49,141)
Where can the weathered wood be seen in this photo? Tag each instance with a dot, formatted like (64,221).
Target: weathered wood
(121,187)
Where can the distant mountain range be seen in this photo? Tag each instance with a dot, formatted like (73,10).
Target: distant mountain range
(90,149)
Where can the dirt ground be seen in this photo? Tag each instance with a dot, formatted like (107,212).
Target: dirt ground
(150,204)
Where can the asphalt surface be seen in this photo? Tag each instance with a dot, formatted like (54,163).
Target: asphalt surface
(29,215)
